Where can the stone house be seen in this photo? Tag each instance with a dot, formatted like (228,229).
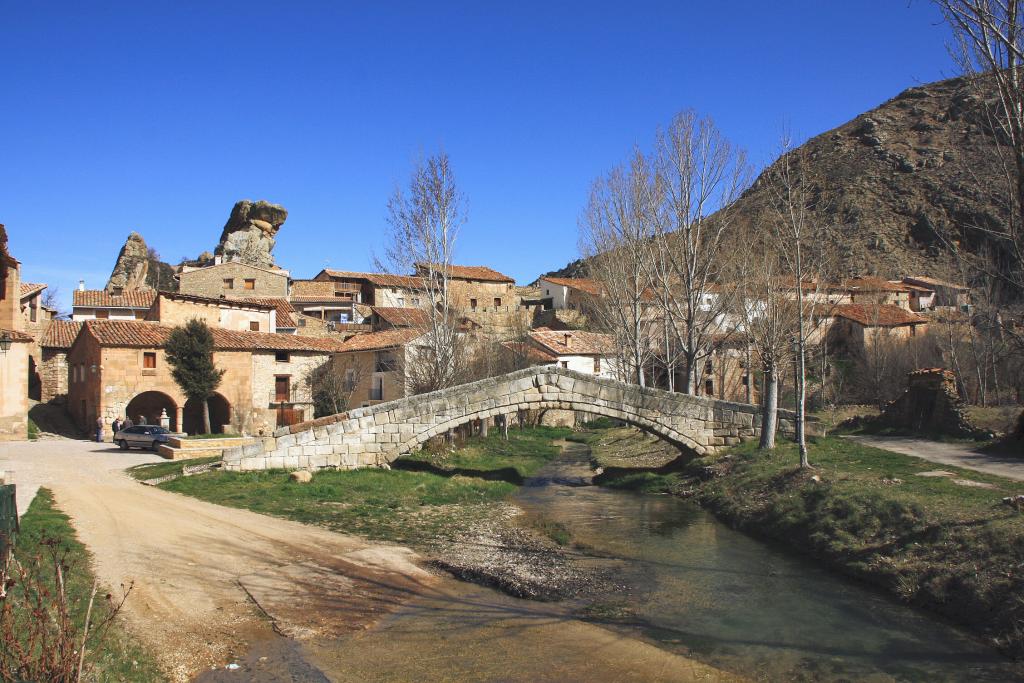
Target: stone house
(854,328)
(373,365)
(233,280)
(53,368)
(36,319)
(119,368)
(592,353)
(325,300)
(99,304)
(947,294)
(373,289)
(174,308)
(478,289)
(568,292)
(291,321)
(15,346)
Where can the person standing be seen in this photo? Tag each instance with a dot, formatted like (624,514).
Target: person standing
(99,429)
(116,426)
(127,423)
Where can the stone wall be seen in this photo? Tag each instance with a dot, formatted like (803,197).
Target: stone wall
(14,392)
(53,371)
(265,369)
(929,405)
(379,434)
(209,281)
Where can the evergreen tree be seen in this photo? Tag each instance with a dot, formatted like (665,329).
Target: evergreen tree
(189,350)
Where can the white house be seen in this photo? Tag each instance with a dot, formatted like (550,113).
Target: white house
(568,292)
(591,353)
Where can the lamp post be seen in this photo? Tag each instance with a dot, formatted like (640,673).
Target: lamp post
(5,341)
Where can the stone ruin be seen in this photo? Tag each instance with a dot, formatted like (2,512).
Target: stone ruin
(930,405)
(249,234)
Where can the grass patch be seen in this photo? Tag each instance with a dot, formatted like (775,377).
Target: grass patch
(120,657)
(33,430)
(951,547)
(152,470)
(416,508)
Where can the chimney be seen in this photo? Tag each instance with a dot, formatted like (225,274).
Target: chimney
(568,340)
(81,285)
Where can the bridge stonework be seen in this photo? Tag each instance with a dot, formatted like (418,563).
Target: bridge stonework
(377,435)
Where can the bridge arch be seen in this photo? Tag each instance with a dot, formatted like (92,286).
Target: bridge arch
(377,435)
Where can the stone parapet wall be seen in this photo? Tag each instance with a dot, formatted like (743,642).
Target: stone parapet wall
(377,435)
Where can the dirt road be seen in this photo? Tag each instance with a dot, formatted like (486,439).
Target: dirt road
(957,454)
(195,565)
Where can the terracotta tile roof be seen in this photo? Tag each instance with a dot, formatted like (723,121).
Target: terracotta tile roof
(884,315)
(231,303)
(381,340)
(580,343)
(581,284)
(482,273)
(61,334)
(30,288)
(378,279)
(933,282)
(531,352)
(101,298)
(402,317)
(142,334)
(873,284)
(16,336)
(285,311)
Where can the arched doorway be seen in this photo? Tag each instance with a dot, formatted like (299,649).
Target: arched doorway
(35,382)
(220,415)
(147,407)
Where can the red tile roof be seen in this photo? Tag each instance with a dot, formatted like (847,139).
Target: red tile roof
(531,352)
(402,317)
(482,273)
(934,282)
(580,343)
(285,311)
(381,340)
(378,279)
(581,284)
(872,284)
(16,336)
(30,288)
(101,298)
(61,334)
(231,303)
(142,334)
(883,315)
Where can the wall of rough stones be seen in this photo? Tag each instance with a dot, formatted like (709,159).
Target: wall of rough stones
(930,405)
(376,435)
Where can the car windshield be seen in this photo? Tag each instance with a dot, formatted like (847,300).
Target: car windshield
(155,430)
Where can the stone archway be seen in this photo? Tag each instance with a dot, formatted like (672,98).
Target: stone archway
(147,407)
(220,415)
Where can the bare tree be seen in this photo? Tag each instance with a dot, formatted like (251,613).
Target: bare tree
(805,247)
(51,300)
(424,223)
(697,173)
(333,383)
(615,235)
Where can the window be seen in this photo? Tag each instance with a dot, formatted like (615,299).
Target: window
(254,325)
(565,364)
(472,304)
(282,388)
(249,283)
(302,322)
(149,360)
(746,380)
(140,315)
(597,366)
(415,302)
(497,302)
(709,387)
(282,356)
(401,301)
(229,283)
(384,361)
(377,390)
(102,314)
(32,313)
(709,367)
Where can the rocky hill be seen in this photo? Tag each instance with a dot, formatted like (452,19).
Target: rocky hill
(921,164)
(139,268)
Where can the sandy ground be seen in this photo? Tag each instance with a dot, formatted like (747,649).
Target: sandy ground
(957,454)
(189,561)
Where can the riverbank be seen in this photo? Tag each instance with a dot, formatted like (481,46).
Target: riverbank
(935,536)
(118,656)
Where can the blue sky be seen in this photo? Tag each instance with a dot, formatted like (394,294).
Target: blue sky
(158,116)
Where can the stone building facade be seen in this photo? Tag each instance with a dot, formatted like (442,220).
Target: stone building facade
(171,308)
(233,280)
(53,369)
(14,361)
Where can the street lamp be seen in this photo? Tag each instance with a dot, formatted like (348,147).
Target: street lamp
(5,341)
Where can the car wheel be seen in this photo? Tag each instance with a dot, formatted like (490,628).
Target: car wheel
(123,444)
(153,445)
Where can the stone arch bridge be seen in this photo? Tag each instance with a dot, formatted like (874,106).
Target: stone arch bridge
(376,435)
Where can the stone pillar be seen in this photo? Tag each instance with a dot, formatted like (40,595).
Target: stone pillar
(484,424)
(165,421)
(181,419)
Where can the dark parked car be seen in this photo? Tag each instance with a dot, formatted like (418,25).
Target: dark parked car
(141,436)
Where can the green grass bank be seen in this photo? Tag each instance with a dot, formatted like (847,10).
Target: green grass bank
(119,657)
(428,497)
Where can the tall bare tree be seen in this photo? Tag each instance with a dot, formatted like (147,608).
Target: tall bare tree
(804,243)
(615,235)
(697,173)
(424,221)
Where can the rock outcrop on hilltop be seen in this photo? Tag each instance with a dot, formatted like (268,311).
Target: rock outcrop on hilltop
(249,233)
(921,165)
(138,268)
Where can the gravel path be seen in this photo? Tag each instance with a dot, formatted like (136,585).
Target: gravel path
(957,454)
(189,559)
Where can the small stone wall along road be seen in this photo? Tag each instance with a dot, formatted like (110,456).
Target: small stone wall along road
(198,568)
(956,454)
